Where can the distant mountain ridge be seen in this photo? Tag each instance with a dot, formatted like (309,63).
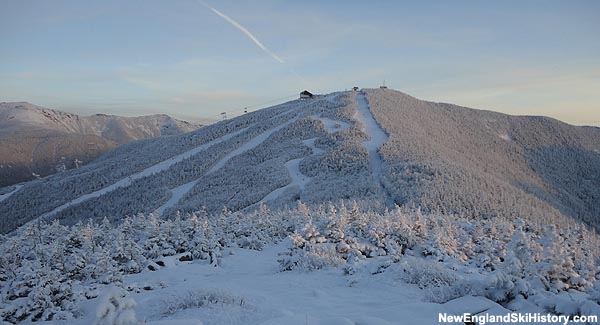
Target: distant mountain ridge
(36,140)
(379,147)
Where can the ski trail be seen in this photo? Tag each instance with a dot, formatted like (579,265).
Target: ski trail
(179,192)
(300,180)
(331,125)
(7,195)
(124,182)
(176,194)
(255,142)
(311,144)
(378,138)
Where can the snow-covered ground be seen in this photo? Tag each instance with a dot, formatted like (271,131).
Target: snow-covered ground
(377,138)
(248,288)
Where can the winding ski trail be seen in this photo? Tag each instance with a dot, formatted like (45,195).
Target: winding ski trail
(377,138)
(300,180)
(179,192)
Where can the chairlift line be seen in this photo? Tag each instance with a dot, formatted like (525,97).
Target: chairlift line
(247,109)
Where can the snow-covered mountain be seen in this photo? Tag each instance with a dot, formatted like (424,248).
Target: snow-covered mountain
(380,147)
(368,207)
(40,141)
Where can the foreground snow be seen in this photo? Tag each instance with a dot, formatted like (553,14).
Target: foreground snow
(321,266)
(254,291)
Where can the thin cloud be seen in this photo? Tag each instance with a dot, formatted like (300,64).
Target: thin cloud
(245,31)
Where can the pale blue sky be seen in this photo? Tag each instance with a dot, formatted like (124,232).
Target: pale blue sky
(180,58)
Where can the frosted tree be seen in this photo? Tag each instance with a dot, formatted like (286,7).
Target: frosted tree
(336,224)
(556,266)
(509,280)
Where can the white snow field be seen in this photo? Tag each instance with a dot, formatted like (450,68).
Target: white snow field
(248,288)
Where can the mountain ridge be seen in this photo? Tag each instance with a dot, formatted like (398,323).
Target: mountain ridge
(40,141)
(438,157)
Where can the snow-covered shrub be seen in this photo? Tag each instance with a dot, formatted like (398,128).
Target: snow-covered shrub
(502,286)
(444,294)
(439,283)
(116,308)
(311,253)
(315,257)
(353,259)
(200,298)
(425,273)
(556,268)
(33,290)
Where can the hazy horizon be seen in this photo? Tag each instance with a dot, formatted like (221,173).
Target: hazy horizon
(193,60)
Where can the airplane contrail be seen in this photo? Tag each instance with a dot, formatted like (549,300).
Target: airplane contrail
(245,31)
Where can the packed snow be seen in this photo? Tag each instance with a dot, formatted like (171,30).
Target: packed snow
(176,195)
(505,136)
(377,138)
